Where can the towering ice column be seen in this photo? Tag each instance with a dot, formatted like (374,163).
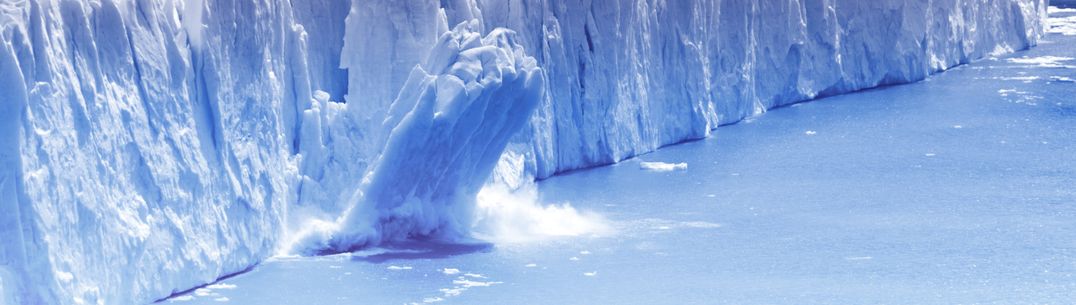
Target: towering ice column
(449,125)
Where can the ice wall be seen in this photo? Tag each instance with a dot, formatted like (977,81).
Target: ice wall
(147,147)
(626,77)
(144,149)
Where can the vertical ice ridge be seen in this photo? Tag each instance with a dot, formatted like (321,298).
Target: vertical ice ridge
(18,254)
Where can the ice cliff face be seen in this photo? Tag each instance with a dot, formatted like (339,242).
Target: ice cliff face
(147,147)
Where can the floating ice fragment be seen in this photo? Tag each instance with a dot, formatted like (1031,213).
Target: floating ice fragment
(222,299)
(531,265)
(394,267)
(700,224)
(182,298)
(662,166)
(221,286)
(451,292)
(450,271)
(1061,25)
(1048,61)
(1058,10)
(592,273)
(465,283)
(1062,79)
(573,258)
(810,132)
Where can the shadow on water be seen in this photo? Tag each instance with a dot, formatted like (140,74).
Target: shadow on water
(411,250)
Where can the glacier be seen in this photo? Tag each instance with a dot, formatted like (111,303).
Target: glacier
(147,148)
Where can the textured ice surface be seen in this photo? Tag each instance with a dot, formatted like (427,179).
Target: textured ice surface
(448,126)
(179,141)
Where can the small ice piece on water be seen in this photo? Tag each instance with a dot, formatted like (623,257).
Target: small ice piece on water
(592,273)
(432,300)
(573,258)
(531,265)
(451,292)
(584,252)
(1062,79)
(858,258)
(221,286)
(450,271)
(222,299)
(1042,61)
(202,292)
(958,126)
(182,298)
(930,154)
(394,267)
(810,132)
(474,275)
(662,166)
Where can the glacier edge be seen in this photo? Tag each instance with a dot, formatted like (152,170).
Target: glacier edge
(179,141)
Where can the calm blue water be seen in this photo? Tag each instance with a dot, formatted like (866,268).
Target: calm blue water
(957,190)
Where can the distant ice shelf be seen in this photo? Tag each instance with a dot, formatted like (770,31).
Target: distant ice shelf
(150,147)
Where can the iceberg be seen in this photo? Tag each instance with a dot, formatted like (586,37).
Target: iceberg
(150,147)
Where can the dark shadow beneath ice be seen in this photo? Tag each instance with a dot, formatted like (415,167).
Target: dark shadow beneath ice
(420,249)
